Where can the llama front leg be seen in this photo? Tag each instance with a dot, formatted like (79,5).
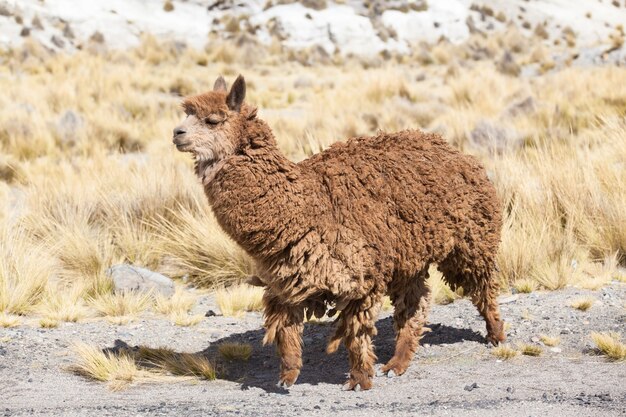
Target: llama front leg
(410,300)
(357,328)
(284,324)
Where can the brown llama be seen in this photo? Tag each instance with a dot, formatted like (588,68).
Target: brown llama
(343,228)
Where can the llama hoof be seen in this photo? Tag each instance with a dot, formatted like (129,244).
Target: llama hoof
(349,387)
(284,384)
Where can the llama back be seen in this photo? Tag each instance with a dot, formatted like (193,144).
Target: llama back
(409,194)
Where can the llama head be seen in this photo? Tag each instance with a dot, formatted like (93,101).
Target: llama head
(213,127)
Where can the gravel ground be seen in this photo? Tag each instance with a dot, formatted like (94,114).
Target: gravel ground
(454,372)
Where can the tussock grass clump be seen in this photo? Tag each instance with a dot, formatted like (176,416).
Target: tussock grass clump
(549,341)
(121,368)
(530,350)
(179,364)
(504,352)
(122,307)
(181,318)
(116,370)
(582,304)
(525,286)
(235,351)
(9,320)
(610,345)
(25,271)
(235,301)
(63,305)
(48,323)
(180,301)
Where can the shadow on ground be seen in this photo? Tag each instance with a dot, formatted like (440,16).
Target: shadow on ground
(261,370)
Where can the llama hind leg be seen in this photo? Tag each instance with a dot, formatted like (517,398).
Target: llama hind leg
(410,300)
(357,328)
(479,283)
(484,298)
(284,324)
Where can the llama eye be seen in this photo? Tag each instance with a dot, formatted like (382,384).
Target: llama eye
(213,119)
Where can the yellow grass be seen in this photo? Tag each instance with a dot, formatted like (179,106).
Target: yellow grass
(9,320)
(179,364)
(235,351)
(386,305)
(146,364)
(582,304)
(181,318)
(48,323)
(123,307)
(549,341)
(78,197)
(116,370)
(525,285)
(181,301)
(610,345)
(504,352)
(530,350)
(235,301)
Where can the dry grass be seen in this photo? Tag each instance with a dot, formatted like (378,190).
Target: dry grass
(530,350)
(146,364)
(181,301)
(9,320)
(181,318)
(235,301)
(610,345)
(525,286)
(48,323)
(121,308)
(582,304)
(235,351)
(504,352)
(66,119)
(387,304)
(549,341)
(175,363)
(116,370)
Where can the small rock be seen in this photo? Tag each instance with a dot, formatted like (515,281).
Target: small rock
(210,313)
(507,65)
(566,331)
(525,106)
(68,126)
(133,278)
(302,82)
(510,389)
(471,387)
(534,339)
(493,137)
(556,350)
(57,41)
(25,32)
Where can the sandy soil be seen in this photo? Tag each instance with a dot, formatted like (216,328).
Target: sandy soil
(454,372)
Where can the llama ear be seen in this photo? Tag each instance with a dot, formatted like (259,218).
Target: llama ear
(237,94)
(220,84)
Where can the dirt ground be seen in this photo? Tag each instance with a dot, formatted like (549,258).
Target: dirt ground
(454,373)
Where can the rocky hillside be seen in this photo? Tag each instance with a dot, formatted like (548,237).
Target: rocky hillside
(355,27)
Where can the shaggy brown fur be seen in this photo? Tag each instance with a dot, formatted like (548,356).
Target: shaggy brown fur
(343,228)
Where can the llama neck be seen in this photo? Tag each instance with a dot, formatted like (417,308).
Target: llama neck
(257,192)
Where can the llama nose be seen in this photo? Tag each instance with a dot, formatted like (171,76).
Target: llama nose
(179,131)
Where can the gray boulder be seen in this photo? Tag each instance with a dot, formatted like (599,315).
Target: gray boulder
(133,278)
